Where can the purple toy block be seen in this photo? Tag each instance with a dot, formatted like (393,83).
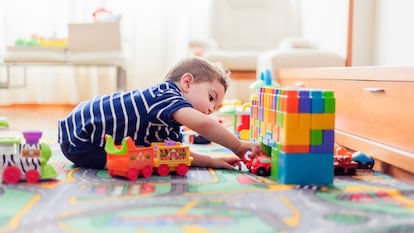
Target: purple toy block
(304,101)
(327,144)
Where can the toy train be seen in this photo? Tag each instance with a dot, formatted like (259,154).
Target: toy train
(127,160)
(25,161)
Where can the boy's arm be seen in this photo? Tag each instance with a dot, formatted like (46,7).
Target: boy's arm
(226,162)
(207,127)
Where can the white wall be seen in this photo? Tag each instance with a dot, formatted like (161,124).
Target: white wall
(325,23)
(394,34)
(383,34)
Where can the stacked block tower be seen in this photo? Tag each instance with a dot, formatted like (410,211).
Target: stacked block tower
(296,127)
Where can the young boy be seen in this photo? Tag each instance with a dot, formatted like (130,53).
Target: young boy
(193,89)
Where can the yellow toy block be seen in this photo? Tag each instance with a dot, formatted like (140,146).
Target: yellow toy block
(262,131)
(297,120)
(323,121)
(304,120)
(291,120)
(296,136)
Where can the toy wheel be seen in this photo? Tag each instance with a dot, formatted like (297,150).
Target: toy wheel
(11,175)
(111,173)
(147,171)
(181,169)
(351,171)
(360,165)
(132,174)
(163,170)
(339,171)
(261,171)
(32,176)
(369,165)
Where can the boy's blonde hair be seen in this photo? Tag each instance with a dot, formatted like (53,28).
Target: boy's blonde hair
(201,69)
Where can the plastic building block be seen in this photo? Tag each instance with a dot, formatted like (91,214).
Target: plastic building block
(305,169)
(301,132)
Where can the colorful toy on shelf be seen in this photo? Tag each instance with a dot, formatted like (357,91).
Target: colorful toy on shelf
(129,161)
(265,80)
(296,127)
(189,136)
(27,160)
(241,117)
(4,122)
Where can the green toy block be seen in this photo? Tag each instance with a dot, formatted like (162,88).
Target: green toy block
(275,164)
(329,101)
(316,137)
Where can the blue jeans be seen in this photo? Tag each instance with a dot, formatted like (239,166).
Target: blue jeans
(94,157)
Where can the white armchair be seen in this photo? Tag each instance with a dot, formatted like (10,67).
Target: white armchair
(247,35)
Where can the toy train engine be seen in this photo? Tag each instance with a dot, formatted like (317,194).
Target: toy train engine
(25,161)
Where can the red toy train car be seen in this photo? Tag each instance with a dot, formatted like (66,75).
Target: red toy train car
(130,161)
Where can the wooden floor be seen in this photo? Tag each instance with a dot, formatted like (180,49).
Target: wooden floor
(34,117)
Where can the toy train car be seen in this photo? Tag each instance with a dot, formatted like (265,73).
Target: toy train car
(25,161)
(129,161)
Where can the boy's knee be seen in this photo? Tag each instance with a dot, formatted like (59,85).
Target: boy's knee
(95,158)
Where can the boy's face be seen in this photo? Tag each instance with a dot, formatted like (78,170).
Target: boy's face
(205,97)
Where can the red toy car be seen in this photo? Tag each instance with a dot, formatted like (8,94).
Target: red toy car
(259,165)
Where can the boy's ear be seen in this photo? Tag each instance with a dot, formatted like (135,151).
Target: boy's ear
(186,81)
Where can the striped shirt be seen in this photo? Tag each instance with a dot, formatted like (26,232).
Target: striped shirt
(145,115)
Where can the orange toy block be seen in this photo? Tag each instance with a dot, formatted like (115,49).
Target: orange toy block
(275,133)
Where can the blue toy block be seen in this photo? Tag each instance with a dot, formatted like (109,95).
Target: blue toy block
(317,102)
(305,169)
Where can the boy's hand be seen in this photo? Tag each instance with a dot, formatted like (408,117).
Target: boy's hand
(226,162)
(246,146)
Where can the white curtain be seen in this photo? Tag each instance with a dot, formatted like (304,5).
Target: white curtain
(155,35)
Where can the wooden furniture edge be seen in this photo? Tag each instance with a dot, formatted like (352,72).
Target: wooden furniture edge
(243,75)
(378,73)
(390,160)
